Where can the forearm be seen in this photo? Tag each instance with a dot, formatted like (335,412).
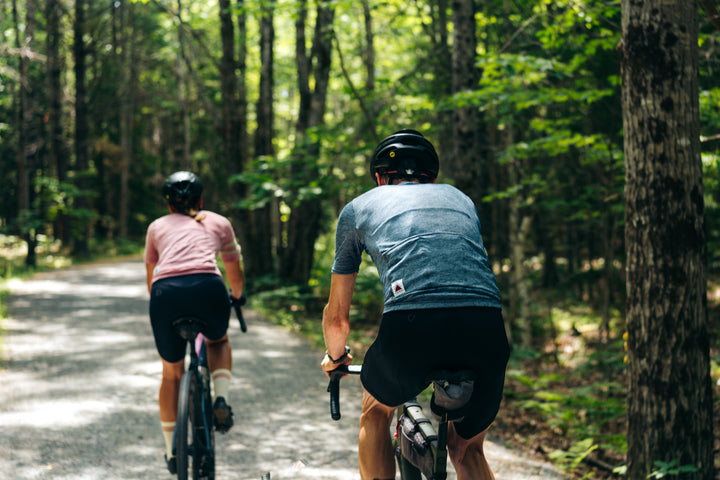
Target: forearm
(236,278)
(336,330)
(149,268)
(336,315)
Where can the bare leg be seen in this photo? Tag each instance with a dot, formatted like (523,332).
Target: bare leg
(169,388)
(168,400)
(468,457)
(375,452)
(220,365)
(219,354)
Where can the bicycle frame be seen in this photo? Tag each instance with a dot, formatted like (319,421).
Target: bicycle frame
(437,440)
(437,444)
(194,406)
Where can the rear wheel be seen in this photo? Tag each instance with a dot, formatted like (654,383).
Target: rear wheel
(408,471)
(182,427)
(203,433)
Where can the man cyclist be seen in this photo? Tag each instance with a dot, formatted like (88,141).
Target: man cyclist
(183,278)
(441,309)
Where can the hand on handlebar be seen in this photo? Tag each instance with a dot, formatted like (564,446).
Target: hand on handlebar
(328,365)
(335,375)
(238,301)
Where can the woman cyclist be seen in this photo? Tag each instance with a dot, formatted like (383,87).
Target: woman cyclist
(183,278)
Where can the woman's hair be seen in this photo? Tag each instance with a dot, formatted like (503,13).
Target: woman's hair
(183,192)
(189,206)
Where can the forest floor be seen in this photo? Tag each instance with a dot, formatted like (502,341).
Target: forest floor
(552,406)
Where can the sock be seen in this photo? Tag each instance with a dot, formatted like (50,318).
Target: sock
(168,429)
(221,383)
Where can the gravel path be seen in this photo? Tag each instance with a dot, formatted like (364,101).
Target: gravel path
(79,377)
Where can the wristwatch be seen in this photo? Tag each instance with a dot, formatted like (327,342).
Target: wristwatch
(341,357)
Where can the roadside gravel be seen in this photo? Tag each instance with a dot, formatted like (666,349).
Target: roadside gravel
(79,377)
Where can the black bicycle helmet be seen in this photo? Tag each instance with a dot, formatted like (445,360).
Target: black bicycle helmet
(405,153)
(182,188)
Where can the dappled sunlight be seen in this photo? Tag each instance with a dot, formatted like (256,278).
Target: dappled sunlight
(54,287)
(51,338)
(713,293)
(275,354)
(118,380)
(55,413)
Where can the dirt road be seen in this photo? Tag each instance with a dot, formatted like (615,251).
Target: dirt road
(79,377)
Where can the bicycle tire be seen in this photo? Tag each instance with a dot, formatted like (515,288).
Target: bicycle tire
(182,424)
(408,471)
(203,431)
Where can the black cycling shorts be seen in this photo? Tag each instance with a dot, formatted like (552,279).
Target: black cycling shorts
(201,295)
(413,343)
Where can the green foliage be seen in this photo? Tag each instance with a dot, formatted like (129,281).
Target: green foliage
(670,469)
(570,459)
(292,307)
(711,180)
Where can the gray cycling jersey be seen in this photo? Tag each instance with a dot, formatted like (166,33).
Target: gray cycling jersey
(425,241)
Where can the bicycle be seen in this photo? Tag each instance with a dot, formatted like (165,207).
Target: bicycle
(420,448)
(194,428)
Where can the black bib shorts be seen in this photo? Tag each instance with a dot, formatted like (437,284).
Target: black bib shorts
(202,295)
(413,343)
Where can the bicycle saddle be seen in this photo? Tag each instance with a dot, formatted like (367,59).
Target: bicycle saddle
(188,327)
(452,392)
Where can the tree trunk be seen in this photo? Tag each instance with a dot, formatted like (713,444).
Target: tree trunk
(183,93)
(58,158)
(303,226)
(80,244)
(464,165)
(442,78)
(28,135)
(260,259)
(369,52)
(670,392)
(127,71)
(234,124)
(241,217)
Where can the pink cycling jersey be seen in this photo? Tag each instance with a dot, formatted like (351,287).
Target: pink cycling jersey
(182,245)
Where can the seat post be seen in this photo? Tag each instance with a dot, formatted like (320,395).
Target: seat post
(441,453)
(189,328)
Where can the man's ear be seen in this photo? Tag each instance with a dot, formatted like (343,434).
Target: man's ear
(380,180)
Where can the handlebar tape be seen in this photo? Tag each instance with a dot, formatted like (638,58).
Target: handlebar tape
(237,303)
(334,387)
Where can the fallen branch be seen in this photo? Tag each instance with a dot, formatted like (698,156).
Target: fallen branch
(710,139)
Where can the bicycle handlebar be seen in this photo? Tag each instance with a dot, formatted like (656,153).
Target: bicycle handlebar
(237,303)
(334,386)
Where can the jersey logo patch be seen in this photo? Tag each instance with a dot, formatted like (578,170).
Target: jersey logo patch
(397,288)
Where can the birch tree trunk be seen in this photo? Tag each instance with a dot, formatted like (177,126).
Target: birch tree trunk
(670,393)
